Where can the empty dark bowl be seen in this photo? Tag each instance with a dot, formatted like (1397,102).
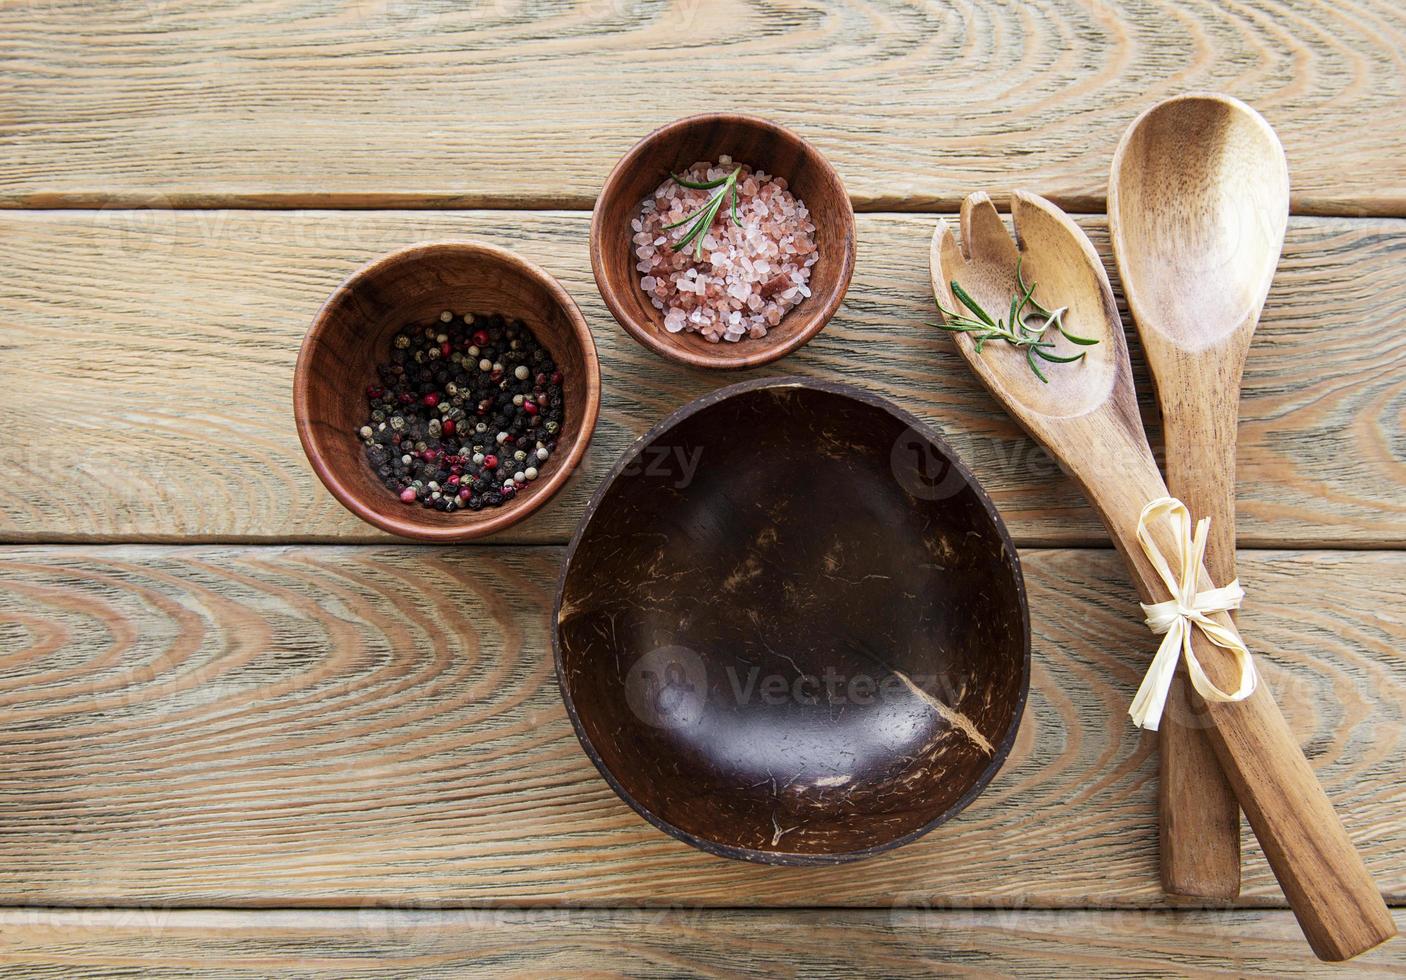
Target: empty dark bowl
(791,627)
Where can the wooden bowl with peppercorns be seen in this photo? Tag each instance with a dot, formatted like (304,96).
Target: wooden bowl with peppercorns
(776,240)
(446,391)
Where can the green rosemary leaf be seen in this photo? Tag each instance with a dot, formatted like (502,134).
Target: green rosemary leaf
(971,304)
(1058,321)
(953,315)
(1026,331)
(1055,358)
(1027,299)
(705,218)
(1018,332)
(708,211)
(1029,293)
(1030,359)
(705,185)
(684,220)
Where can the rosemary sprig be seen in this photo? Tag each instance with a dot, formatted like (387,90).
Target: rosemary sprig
(1016,329)
(702,219)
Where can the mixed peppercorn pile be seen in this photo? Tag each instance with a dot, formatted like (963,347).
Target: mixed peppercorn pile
(466,414)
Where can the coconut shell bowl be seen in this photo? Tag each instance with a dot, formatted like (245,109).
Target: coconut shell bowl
(791,627)
(765,146)
(352,334)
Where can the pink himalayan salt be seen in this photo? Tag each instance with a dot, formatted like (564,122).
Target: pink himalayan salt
(746,278)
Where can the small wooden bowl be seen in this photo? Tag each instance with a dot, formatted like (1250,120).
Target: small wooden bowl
(771,532)
(352,334)
(765,146)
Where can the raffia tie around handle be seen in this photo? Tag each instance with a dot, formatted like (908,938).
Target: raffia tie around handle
(1174,619)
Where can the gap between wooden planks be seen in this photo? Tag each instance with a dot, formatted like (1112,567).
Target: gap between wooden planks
(668,943)
(160,345)
(354,726)
(369,103)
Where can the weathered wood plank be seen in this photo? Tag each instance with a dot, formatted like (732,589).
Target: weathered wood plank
(147,359)
(380,725)
(329,103)
(667,943)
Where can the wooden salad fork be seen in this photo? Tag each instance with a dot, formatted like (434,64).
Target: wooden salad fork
(1086,416)
(1198,200)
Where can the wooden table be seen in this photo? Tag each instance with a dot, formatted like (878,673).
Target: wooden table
(244,733)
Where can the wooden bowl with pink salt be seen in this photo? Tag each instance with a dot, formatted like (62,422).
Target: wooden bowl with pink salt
(723,241)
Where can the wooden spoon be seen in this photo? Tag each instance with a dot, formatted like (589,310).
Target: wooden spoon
(1087,418)
(1198,200)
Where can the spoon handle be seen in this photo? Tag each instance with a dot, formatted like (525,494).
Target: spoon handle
(1333,896)
(1328,886)
(1199,817)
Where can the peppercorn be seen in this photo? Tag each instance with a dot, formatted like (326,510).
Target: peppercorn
(437,374)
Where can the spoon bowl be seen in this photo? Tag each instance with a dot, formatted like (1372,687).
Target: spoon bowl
(1197,204)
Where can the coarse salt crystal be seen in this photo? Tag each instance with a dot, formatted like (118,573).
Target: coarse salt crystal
(731,289)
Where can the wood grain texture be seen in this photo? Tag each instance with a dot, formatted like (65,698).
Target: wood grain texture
(176,385)
(675,942)
(391,103)
(344,726)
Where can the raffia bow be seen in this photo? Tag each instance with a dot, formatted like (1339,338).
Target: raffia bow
(1174,619)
